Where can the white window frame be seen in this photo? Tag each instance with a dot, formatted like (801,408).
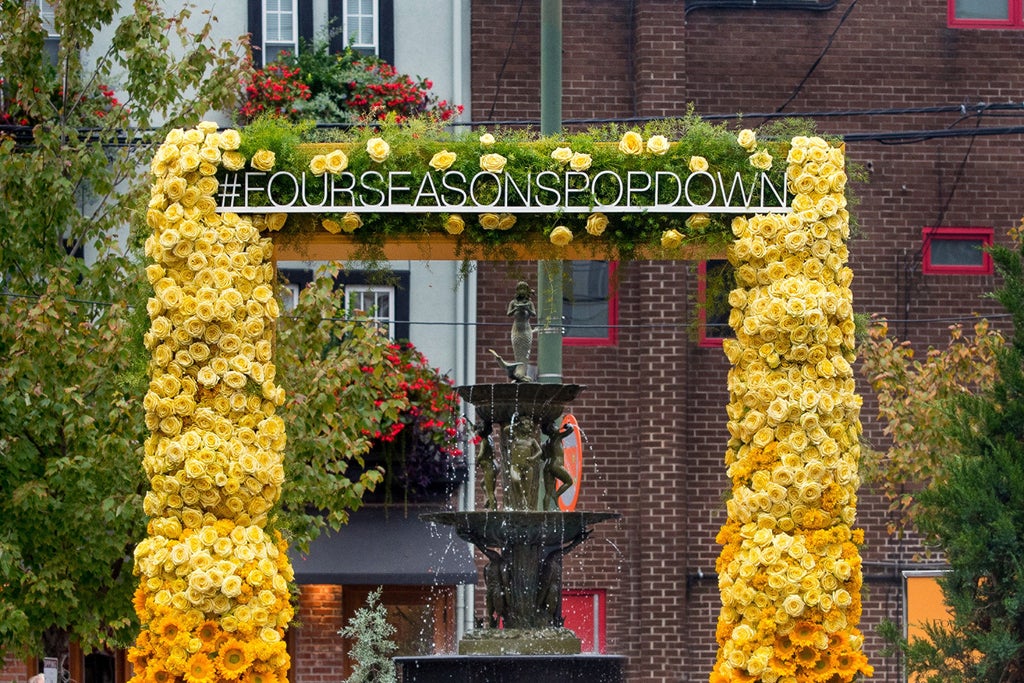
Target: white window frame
(46,13)
(277,46)
(376,293)
(349,17)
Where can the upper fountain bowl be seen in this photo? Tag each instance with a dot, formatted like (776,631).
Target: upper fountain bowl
(499,403)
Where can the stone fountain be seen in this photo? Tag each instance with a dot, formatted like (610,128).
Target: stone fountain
(521,531)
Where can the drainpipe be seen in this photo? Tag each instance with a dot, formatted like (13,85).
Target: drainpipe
(549,273)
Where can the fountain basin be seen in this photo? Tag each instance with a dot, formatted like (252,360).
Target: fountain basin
(499,403)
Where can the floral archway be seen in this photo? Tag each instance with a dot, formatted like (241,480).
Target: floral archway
(213,596)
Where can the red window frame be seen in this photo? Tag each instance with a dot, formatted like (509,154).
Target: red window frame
(703,340)
(1015,17)
(973,234)
(612,338)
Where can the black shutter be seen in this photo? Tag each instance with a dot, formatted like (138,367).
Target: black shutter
(255,16)
(305,22)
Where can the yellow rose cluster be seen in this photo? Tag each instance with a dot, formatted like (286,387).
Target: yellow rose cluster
(790,568)
(213,597)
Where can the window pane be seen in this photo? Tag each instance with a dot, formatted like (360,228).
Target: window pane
(376,302)
(982,9)
(956,252)
(585,299)
(280,17)
(47,18)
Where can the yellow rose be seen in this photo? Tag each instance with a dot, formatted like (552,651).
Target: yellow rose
(351,222)
(562,155)
(506,221)
(229,139)
(276,221)
(596,224)
(698,221)
(561,236)
(443,160)
(580,161)
(698,164)
(318,164)
(631,143)
(657,144)
(489,221)
(486,139)
(494,163)
(232,160)
(378,149)
(454,225)
(331,226)
(747,139)
(337,161)
(671,239)
(761,160)
(263,160)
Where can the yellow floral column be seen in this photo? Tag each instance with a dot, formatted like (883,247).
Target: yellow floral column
(213,597)
(790,569)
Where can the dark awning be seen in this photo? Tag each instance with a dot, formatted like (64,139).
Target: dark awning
(392,547)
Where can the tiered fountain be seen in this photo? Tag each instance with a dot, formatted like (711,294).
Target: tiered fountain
(522,533)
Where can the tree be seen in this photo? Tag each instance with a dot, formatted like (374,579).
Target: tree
(70,330)
(73,154)
(912,394)
(975,514)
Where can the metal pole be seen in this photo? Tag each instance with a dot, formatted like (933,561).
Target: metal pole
(549,273)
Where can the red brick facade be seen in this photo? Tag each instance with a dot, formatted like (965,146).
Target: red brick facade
(653,415)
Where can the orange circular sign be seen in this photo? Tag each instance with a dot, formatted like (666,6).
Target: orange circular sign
(572,448)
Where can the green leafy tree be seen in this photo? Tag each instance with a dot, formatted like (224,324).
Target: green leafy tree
(975,514)
(912,395)
(76,138)
(70,180)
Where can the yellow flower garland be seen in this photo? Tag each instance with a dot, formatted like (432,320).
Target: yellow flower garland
(213,597)
(789,569)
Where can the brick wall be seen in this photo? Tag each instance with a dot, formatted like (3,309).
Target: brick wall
(653,413)
(317,651)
